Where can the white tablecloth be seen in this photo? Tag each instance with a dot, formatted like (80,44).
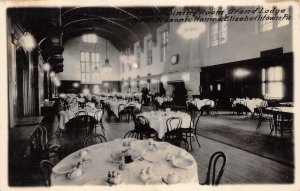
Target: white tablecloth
(158,120)
(163,99)
(115,105)
(200,103)
(250,103)
(100,164)
(65,116)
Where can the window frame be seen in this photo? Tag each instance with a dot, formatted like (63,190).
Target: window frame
(149,51)
(164,44)
(87,75)
(274,22)
(219,29)
(266,81)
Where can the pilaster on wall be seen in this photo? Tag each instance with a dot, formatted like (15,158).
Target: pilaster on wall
(192,85)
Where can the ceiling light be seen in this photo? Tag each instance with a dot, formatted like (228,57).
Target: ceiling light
(191,30)
(106,62)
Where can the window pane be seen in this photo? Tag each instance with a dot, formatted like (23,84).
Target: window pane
(263,74)
(87,67)
(278,73)
(97,69)
(82,56)
(271,74)
(84,38)
(276,89)
(267,25)
(87,56)
(83,67)
(87,77)
(284,22)
(97,57)
(93,57)
(263,88)
(93,67)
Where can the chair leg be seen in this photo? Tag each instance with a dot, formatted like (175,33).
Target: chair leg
(259,123)
(58,132)
(102,128)
(197,140)
(191,143)
(271,126)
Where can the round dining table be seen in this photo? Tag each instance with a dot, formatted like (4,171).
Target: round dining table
(98,162)
(65,116)
(280,110)
(158,119)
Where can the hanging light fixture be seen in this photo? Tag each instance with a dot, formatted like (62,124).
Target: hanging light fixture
(106,62)
(191,30)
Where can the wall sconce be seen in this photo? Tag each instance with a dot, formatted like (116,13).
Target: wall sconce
(26,40)
(75,84)
(96,89)
(219,87)
(240,73)
(46,67)
(56,81)
(52,74)
(105,84)
(85,91)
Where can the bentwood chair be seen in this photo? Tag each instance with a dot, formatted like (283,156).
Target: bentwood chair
(121,111)
(142,125)
(40,146)
(285,122)
(191,133)
(46,170)
(98,117)
(93,139)
(109,112)
(192,109)
(155,104)
(174,134)
(213,164)
(134,134)
(265,117)
(81,113)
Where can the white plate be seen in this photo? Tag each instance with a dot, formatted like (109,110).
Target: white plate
(153,182)
(74,177)
(64,169)
(182,162)
(165,180)
(115,158)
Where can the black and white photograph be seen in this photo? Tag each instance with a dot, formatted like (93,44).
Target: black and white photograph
(156,96)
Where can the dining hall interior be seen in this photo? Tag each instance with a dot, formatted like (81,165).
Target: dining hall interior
(150,96)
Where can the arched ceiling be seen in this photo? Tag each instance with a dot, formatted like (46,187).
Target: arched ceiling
(120,25)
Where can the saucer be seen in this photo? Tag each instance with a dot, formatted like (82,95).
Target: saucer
(165,180)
